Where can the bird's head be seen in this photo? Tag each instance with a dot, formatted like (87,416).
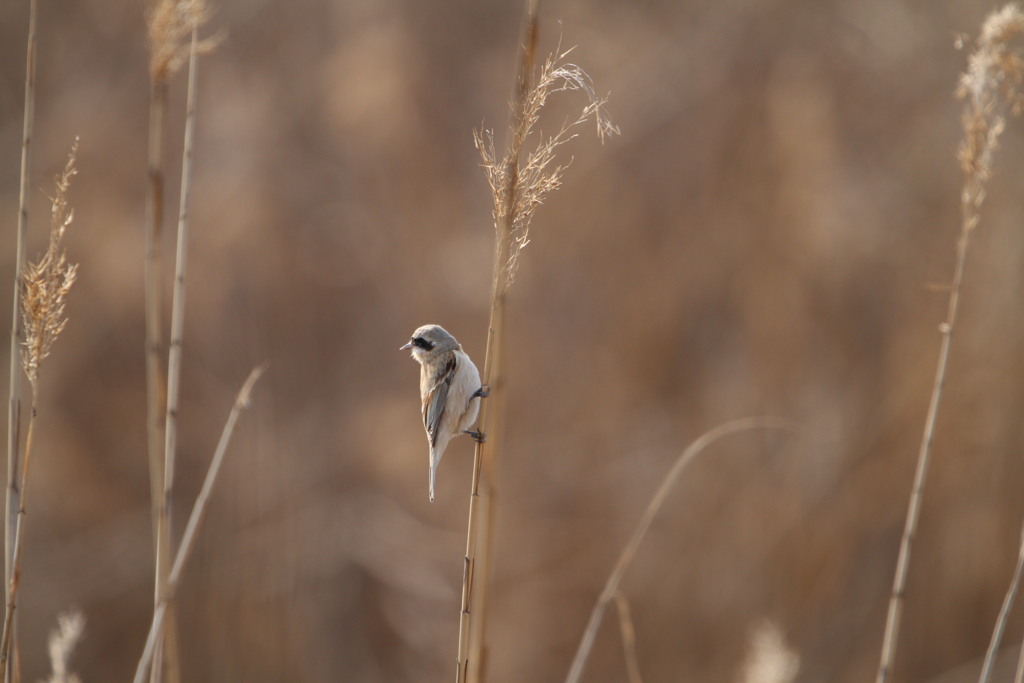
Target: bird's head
(430,340)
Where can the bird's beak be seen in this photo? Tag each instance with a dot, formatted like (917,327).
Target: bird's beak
(407,346)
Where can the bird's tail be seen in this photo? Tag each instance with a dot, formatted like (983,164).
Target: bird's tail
(435,459)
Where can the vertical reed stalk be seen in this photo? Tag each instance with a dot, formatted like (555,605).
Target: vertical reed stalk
(154,343)
(170,23)
(12,503)
(519,180)
(990,89)
(155,389)
(469,666)
(174,362)
(15,582)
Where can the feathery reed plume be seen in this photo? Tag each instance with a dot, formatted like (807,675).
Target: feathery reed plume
(61,644)
(170,23)
(12,502)
(188,538)
(520,185)
(519,182)
(1004,613)
(991,88)
(45,286)
(47,283)
(611,586)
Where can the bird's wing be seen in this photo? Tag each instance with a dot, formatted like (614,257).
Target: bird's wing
(436,399)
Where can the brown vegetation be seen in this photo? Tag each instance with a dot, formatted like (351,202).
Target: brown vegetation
(772,235)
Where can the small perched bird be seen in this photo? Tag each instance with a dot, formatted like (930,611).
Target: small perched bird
(449,388)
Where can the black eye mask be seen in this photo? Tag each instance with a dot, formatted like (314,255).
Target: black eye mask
(422,343)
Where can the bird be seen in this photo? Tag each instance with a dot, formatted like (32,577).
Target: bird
(450,390)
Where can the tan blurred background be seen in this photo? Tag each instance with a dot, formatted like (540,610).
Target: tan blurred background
(769,236)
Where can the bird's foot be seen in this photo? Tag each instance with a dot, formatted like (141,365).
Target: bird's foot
(479,437)
(482,392)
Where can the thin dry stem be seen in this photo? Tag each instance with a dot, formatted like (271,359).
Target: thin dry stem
(990,88)
(611,586)
(188,539)
(1004,613)
(519,182)
(628,632)
(1019,676)
(174,362)
(17,336)
(61,645)
(169,24)
(46,284)
(155,389)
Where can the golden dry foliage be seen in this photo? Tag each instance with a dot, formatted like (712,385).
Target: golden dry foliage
(170,23)
(991,87)
(48,281)
(519,188)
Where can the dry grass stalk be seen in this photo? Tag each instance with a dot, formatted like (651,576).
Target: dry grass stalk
(242,401)
(519,182)
(62,642)
(174,372)
(1004,614)
(14,396)
(169,24)
(628,632)
(991,88)
(45,286)
(611,586)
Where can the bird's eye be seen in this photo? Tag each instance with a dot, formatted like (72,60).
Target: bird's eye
(422,343)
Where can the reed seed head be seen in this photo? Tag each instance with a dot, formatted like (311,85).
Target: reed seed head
(991,88)
(46,283)
(519,182)
(170,23)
